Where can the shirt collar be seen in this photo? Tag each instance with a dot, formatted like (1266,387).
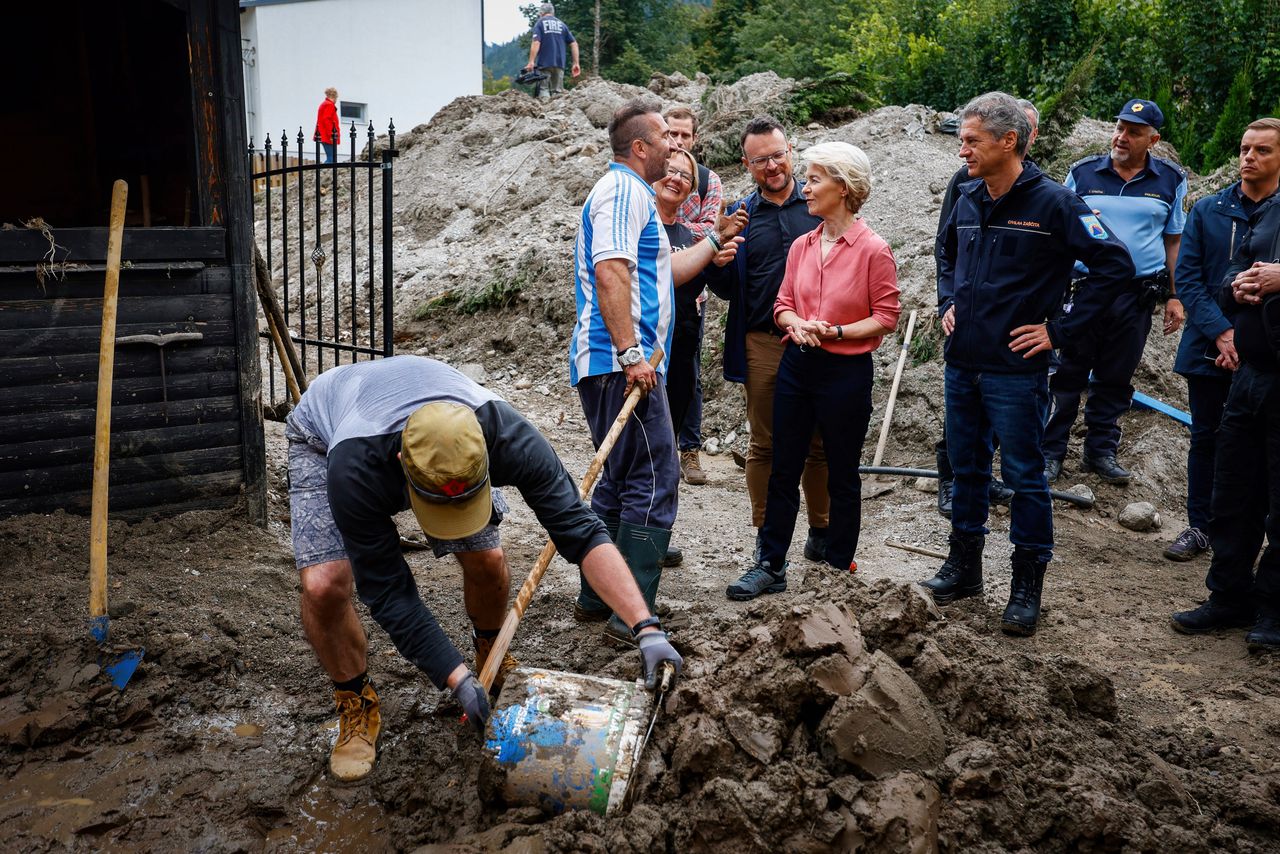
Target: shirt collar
(615,166)
(796,195)
(1153,167)
(850,236)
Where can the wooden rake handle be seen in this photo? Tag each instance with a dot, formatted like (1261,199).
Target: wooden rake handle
(503,642)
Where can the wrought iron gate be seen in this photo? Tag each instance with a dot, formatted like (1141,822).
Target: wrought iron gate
(336,307)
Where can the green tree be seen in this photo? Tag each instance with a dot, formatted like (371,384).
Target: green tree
(1236,114)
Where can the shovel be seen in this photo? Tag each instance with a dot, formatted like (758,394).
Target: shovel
(876,487)
(118,666)
(563,740)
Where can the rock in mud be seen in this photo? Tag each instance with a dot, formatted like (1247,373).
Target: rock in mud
(1140,516)
(899,814)
(887,727)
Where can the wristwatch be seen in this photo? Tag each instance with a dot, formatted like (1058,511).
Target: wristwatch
(631,356)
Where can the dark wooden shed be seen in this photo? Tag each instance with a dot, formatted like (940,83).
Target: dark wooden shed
(149,91)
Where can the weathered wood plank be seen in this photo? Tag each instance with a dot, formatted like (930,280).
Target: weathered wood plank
(133,283)
(64,312)
(123,392)
(24,246)
(45,453)
(64,423)
(132,360)
(126,471)
(137,500)
(84,339)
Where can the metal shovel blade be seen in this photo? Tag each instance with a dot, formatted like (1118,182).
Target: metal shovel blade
(564,741)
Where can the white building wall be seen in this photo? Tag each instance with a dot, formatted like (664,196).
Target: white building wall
(405,59)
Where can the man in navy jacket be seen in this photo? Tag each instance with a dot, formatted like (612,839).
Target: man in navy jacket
(1215,229)
(1004,263)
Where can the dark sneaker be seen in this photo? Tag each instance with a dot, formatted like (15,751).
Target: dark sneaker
(1052,470)
(998,493)
(1190,544)
(1265,636)
(759,579)
(1211,617)
(944,497)
(815,545)
(673,557)
(1107,469)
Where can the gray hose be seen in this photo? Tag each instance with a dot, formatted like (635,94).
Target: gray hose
(1069,497)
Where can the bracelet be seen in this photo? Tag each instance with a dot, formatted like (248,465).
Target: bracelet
(715,241)
(644,624)
(839,332)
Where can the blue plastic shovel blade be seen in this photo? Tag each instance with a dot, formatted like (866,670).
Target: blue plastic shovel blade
(120,670)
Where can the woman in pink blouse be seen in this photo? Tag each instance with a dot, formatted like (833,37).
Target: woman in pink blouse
(838,299)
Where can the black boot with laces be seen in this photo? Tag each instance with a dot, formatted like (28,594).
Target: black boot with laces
(961,575)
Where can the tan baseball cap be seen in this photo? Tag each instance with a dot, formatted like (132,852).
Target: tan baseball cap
(446,463)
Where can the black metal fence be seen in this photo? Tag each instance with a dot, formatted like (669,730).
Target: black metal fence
(336,307)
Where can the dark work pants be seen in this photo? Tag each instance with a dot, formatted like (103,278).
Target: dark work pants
(682,375)
(1208,396)
(689,430)
(981,406)
(1246,495)
(1111,349)
(640,478)
(832,393)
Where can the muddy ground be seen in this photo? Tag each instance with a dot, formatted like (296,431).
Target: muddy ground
(846,714)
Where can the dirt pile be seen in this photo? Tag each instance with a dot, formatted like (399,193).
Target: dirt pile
(854,718)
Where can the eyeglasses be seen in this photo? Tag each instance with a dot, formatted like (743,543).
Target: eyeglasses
(778,157)
(683,176)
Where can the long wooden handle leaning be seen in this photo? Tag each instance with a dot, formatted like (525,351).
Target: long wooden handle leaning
(102,429)
(893,391)
(503,642)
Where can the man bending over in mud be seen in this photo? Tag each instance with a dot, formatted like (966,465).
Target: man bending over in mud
(372,439)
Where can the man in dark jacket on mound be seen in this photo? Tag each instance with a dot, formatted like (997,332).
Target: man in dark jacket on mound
(1004,262)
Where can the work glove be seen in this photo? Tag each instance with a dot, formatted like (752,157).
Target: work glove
(654,650)
(473,699)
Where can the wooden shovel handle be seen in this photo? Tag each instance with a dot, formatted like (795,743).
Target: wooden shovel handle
(893,390)
(503,642)
(102,429)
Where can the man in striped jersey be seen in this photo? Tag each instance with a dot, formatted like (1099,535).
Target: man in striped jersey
(624,278)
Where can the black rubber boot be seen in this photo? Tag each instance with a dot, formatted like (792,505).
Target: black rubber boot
(643,549)
(815,545)
(590,608)
(961,574)
(1022,614)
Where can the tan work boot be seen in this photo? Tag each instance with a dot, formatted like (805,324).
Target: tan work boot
(359,722)
(483,647)
(691,468)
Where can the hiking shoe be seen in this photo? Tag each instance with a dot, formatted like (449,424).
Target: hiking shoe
(1052,470)
(960,576)
(944,497)
(691,468)
(998,493)
(759,579)
(1210,617)
(815,545)
(1107,469)
(483,647)
(673,557)
(1265,636)
(359,722)
(1190,544)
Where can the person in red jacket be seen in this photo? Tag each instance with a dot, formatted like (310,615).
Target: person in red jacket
(328,132)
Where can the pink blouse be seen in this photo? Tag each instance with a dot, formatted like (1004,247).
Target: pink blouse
(858,279)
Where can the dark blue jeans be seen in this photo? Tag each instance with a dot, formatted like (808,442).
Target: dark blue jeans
(330,152)
(1111,350)
(1246,495)
(980,407)
(640,478)
(833,393)
(1208,396)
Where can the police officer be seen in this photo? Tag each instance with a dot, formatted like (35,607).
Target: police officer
(1138,197)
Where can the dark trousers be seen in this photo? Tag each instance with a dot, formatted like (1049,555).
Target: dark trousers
(981,406)
(684,385)
(1246,495)
(832,393)
(689,430)
(640,478)
(1112,350)
(1208,396)
(944,461)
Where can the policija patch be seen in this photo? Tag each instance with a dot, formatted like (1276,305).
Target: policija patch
(1094,226)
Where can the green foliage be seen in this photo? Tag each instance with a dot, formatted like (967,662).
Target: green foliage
(1060,112)
(835,93)
(493,87)
(1236,114)
(498,293)
(506,60)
